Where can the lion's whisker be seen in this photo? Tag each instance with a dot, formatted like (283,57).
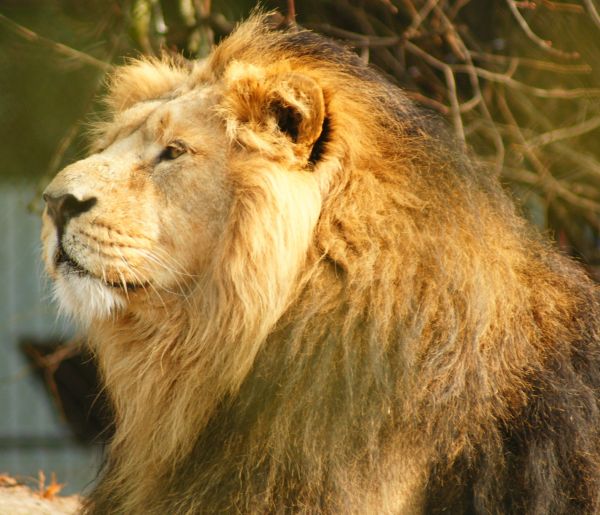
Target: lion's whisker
(159,262)
(143,284)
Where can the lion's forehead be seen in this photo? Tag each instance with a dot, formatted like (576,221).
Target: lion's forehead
(164,119)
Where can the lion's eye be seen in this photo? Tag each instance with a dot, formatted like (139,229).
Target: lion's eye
(172,151)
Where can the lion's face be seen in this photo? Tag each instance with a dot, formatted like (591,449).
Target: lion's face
(139,221)
(139,216)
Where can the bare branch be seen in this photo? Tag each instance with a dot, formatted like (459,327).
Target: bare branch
(450,82)
(419,18)
(565,132)
(541,43)
(591,9)
(291,12)
(533,63)
(354,38)
(562,6)
(478,99)
(65,50)
(538,92)
(388,3)
(429,102)
(545,179)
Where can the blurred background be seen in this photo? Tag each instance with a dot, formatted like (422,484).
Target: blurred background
(517,81)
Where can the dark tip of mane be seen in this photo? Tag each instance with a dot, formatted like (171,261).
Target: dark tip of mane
(318,149)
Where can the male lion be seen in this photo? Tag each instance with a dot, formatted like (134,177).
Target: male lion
(302,299)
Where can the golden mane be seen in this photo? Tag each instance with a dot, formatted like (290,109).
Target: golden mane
(412,348)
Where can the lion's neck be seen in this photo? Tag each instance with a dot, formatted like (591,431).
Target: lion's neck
(266,424)
(166,373)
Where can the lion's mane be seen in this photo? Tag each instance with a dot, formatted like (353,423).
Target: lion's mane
(422,351)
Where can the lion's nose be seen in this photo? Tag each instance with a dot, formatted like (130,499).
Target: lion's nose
(64,207)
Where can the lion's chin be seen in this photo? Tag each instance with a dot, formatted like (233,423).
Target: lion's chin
(87,298)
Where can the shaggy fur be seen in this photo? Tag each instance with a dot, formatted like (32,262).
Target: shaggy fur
(333,312)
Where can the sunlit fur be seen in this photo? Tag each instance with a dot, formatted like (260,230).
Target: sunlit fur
(369,327)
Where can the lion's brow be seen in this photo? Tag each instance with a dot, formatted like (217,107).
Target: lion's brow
(134,118)
(157,127)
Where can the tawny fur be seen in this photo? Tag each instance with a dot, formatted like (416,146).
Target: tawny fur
(371,328)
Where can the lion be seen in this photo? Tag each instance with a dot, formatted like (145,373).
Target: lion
(304,296)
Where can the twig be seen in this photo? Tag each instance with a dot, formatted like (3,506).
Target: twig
(478,99)
(429,102)
(467,106)
(418,19)
(291,12)
(388,3)
(521,175)
(560,6)
(533,63)
(581,159)
(204,6)
(546,179)
(458,5)
(541,43)
(538,92)
(215,21)
(450,83)
(591,8)
(29,35)
(576,200)
(565,132)
(354,38)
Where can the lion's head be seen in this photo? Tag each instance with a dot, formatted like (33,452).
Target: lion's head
(300,295)
(187,160)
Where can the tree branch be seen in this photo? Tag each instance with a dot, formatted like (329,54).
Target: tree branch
(65,50)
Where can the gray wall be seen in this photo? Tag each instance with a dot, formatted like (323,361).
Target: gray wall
(32,435)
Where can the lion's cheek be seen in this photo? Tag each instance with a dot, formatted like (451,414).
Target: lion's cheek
(190,231)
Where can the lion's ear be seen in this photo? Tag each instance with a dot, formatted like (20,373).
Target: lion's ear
(298,107)
(276,105)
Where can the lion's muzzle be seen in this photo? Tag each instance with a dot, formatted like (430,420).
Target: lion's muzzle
(64,207)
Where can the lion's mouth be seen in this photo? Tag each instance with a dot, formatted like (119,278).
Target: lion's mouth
(63,258)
